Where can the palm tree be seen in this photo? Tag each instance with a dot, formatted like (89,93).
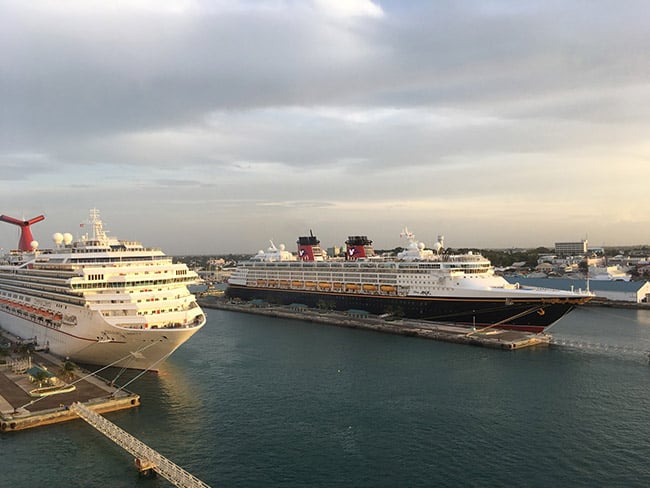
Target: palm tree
(67,370)
(40,376)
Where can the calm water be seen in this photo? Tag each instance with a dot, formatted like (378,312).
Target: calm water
(258,402)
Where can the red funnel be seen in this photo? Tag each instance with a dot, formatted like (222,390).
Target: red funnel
(26,238)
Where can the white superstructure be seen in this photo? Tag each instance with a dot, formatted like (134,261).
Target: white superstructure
(99,300)
(417,272)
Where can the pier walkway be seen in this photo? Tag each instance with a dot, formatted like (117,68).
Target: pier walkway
(146,457)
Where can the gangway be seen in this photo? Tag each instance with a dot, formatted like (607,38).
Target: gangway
(145,457)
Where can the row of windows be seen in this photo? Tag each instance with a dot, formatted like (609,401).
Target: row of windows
(86,286)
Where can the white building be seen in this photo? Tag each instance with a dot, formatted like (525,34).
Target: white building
(571,248)
(622,291)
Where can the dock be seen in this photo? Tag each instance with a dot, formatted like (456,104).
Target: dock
(26,404)
(21,408)
(491,337)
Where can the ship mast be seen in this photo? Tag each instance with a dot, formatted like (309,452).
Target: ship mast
(98,229)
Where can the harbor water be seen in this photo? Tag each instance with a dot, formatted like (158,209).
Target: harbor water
(252,401)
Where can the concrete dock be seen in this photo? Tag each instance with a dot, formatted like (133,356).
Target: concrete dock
(440,331)
(20,410)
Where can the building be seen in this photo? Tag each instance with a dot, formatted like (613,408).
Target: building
(622,291)
(571,248)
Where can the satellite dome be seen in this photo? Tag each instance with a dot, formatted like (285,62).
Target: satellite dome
(282,247)
(67,238)
(34,245)
(260,252)
(438,246)
(57,238)
(421,246)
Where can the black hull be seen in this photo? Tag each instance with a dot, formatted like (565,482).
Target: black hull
(532,315)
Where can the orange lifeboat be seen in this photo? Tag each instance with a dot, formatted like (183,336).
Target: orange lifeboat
(387,288)
(370,288)
(351,287)
(324,285)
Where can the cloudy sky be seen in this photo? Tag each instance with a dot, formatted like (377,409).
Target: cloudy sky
(212,126)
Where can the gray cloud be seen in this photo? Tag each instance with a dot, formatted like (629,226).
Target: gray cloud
(241,112)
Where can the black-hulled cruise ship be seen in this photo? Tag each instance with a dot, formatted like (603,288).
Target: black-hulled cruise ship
(418,283)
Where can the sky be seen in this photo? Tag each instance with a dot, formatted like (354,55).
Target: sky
(214,126)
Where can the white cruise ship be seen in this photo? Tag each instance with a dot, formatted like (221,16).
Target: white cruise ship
(418,283)
(97,300)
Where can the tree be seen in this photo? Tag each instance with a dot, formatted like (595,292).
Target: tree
(40,376)
(67,370)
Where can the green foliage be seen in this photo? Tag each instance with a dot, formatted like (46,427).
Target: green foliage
(503,259)
(67,370)
(40,377)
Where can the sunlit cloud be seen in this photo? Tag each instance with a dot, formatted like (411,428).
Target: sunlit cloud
(494,123)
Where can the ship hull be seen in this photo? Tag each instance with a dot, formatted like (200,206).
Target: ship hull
(531,314)
(96,342)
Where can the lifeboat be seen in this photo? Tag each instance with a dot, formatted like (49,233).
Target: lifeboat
(324,285)
(310,284)
(351,287)
(284,283)
(387,288)
(261,282)
(273,283)
(370,288)
(338,286)
(297,284)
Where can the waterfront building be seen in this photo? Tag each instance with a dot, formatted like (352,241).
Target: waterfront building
(623,291)
(571,248)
